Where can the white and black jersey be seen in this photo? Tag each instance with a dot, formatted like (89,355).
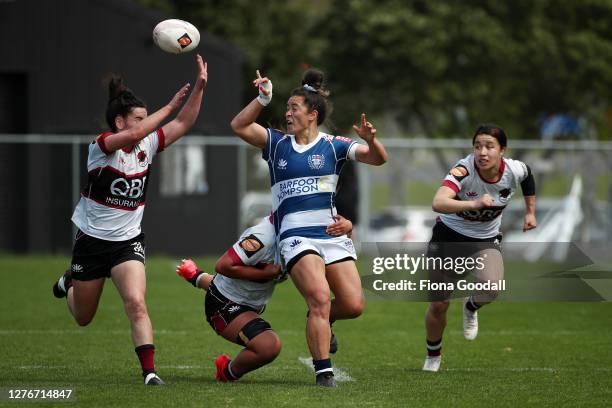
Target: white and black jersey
(464,178)
(256,247)
(112,202)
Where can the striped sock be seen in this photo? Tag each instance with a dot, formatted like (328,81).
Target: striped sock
(323,366)
(471,304)
(434,348)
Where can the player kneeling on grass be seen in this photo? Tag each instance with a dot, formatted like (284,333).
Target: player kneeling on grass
(237,295)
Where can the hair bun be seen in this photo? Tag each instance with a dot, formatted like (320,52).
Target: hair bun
(116,87)
(315,78)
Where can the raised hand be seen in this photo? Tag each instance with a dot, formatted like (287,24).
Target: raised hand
(202,79)
(177,99)
(264,85)
(366,130)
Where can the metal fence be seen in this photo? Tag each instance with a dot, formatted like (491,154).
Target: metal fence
(403,188)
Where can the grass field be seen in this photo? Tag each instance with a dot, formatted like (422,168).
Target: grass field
(534,354)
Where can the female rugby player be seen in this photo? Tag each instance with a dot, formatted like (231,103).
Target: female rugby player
(304,165)
(109,242)
(238,294)
(471,201)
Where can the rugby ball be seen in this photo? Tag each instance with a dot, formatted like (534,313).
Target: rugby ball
(176,36)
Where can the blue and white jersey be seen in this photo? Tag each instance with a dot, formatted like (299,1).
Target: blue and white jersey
(303,180)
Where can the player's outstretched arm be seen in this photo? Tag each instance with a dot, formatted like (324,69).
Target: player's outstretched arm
(185,119)
(228,267)
(189,271)
(136,133)
(244,124)
(374,153)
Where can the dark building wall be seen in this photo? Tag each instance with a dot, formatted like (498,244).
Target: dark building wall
(63,55)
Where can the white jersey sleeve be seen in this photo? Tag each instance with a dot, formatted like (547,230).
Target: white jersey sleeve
(256,244)
(519,171)
(459,175)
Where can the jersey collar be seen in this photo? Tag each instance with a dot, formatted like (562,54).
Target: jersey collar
(502,167)
(302,148)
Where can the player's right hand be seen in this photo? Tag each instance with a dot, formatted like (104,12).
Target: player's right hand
(264,85)
(177,99)
(484,202)
(187,269)
(272,270)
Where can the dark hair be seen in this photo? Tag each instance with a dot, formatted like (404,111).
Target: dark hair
(314,93)
(492,130)
(121,101)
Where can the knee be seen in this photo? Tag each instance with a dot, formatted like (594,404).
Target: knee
(319,302)
(83,320)
(354,308)
(272,349)
(136,308)
(439,308)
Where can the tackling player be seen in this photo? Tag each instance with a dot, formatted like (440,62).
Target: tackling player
(109,242)
(237,296)
(471,201)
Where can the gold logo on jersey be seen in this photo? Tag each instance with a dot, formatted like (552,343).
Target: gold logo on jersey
(459,171)
(251,245)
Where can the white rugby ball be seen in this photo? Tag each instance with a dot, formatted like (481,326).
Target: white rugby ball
(176,36)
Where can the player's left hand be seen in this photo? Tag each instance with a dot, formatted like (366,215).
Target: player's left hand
(530,222)
(340,227)
(366,130)
(202,71)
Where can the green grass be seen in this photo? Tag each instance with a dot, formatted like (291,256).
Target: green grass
(536,354)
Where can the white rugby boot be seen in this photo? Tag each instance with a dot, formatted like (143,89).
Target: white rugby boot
(470,322)
(432,363)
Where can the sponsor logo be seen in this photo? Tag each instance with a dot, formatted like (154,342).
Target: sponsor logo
(316,161)
(329,138)
(282,164)
(76,268)
(233,309)
(505,193)
(303,186)
(344,139)
(488,214)
(459,172)
(251,245)
(124,188)
(471,194)
(295,243)
(184,40)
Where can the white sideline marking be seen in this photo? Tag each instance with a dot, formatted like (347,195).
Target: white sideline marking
(525,369)
(339,375)
(82,331)
(181,367)
(38,367)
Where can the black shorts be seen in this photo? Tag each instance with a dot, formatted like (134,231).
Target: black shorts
(93,258)
(458,256)
(220,311)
